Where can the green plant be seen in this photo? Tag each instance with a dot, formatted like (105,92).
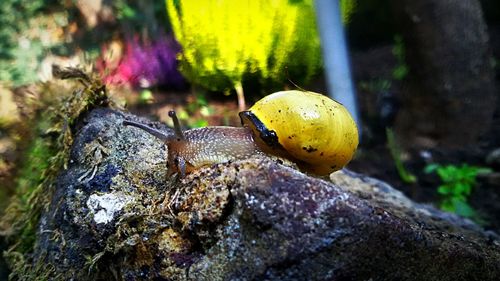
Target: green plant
(375,85)
(457,184)
(394,149)
(13,21)
(197,102)
(145,17)
(196,111)
(17,53)
(398,50)
(146,97)
(225,41)
(124,11)
(28,32)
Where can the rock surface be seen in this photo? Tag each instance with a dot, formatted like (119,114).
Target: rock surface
(115,215)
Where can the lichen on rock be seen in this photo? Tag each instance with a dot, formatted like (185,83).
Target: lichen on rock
(103,207)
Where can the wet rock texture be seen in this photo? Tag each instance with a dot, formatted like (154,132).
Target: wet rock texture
(116,216)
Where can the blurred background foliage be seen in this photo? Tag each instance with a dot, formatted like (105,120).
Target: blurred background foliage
(258,42)
(24,43)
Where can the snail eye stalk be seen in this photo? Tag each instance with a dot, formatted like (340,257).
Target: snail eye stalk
(177,125)
(159,134)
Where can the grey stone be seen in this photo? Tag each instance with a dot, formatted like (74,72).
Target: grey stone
(115,215)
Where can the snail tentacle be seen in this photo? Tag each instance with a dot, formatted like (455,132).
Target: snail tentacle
(157,133)
(177,125)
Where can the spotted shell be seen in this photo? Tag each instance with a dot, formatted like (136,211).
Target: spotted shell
(308,128)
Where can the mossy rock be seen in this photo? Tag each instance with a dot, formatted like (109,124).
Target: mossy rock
(109,212)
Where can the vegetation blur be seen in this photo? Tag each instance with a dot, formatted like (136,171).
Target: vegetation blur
(456,187)
(258,42)
(207,60)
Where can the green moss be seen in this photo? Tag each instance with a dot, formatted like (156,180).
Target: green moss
(46,153)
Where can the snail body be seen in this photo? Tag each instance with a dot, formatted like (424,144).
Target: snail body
(307,128)
(209,145)
(194,148)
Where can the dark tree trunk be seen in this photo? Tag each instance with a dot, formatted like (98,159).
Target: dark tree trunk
(451,95)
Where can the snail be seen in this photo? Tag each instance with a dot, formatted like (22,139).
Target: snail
(310,129)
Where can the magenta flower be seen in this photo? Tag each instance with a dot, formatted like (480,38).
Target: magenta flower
(146,65)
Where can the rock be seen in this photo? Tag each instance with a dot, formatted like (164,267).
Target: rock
(492,178)
(493,159)
(116,216)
